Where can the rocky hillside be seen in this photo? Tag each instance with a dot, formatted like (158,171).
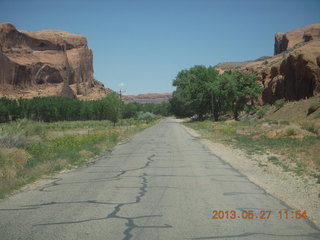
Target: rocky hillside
(149,98)
(292,74)
(46,63)
(284,41)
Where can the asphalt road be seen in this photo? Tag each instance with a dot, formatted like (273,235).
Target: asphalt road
(161,184)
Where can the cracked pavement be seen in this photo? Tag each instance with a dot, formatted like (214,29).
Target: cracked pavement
(161,184)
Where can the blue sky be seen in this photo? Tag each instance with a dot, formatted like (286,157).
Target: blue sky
(139,46)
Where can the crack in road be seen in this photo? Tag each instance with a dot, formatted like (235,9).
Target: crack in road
(52,184)
(143,190)
(130,223)
(116,177)
(130,220)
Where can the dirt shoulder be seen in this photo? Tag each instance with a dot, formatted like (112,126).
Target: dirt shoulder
(298,193)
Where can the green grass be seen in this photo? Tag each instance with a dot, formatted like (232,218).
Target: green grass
(29,150)
(279,103)
(300,169)
(317,116)
(264,143)
(309,126)
(284,122)
(313,107)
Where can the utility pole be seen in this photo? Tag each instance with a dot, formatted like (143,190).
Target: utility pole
(120,108)
(120,94)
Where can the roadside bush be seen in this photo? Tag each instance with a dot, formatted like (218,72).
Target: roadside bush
(13,134)
(147,116)
(313,107)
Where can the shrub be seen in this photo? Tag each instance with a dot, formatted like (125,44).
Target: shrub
(309,126)
(317,116)
(147,117)
(284,122)
(13,134)
(250,109)
(279,103)
(263,110)
(11,161)
(313,107)
(273,159)
(292,130)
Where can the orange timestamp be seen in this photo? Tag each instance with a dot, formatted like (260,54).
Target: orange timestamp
(263,214)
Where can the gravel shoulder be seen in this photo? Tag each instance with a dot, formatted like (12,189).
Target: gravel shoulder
(297,192)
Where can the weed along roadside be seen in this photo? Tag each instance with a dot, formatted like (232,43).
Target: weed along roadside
(282,144)
(30,150)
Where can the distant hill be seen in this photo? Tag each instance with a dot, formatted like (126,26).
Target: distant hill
(149,98)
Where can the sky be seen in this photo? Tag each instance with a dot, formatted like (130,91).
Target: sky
(139,46)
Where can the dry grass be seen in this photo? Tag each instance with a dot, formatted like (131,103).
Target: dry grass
(11,161)
(295,111)
(298,148)
(86,154)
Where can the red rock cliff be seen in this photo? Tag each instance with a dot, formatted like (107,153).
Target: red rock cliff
(50,58)
(294,74)
(284,41)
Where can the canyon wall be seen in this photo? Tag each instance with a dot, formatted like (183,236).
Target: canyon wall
(48,62)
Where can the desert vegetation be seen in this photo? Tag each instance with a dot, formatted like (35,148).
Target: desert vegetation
(295,144)
(31,149)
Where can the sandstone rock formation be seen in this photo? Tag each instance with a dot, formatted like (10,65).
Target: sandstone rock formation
(284,41)
(149,98)
(45,63)
(294,74)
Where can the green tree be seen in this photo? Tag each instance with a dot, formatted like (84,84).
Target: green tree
(4,111)
(215,92)
(179,106)
(112,104)
(130,110)
(239,88)
(192,87)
